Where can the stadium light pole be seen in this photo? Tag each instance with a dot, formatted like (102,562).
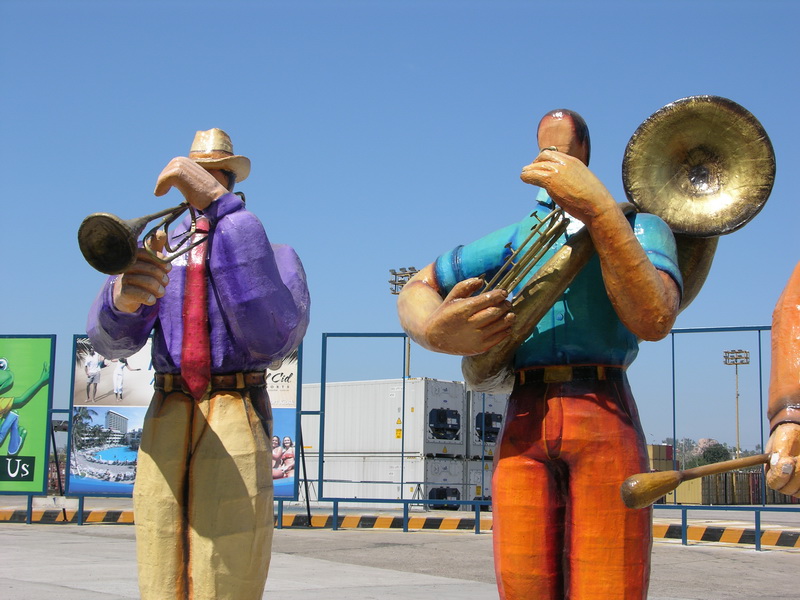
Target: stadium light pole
(736,358)
(398,280)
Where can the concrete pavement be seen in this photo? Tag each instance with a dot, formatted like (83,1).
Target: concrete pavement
(371,560)
(90,562)
(778,529)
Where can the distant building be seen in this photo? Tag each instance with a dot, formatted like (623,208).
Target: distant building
(114,437)
(133,438)
(117,422)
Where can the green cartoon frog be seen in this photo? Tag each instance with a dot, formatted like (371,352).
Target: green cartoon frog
(9,420)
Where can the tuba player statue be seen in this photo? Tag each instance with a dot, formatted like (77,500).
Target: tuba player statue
(219,315)
(572,433)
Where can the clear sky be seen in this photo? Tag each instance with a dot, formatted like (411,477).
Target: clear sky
(382,134)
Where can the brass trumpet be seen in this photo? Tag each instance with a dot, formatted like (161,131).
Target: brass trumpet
(109,243)
(703,164)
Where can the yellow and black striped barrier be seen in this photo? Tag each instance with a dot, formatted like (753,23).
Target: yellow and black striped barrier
(694,533)
(727,535)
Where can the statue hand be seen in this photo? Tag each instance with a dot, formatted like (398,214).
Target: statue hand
(570,183)
(144,282)
(465,325)
(783,473)
(197,185)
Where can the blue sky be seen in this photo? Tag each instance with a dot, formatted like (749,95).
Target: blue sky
(381,135)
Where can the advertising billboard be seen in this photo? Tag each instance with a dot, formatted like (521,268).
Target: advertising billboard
(109,401)
(283,386)
(26,395)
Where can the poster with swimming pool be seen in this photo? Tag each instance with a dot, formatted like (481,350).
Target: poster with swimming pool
(283,387)
(26,396)
(109,401)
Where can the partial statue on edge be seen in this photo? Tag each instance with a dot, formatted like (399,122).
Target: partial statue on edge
(572,432)
(220,315)
(783,472)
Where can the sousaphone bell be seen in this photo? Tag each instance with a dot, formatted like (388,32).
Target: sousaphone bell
(706,166)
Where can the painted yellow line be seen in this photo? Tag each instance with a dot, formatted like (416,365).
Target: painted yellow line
(450,523)
(731,536)
(384,522)
(350,521)
(770,538)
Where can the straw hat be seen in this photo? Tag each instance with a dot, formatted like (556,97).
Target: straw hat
(213,149)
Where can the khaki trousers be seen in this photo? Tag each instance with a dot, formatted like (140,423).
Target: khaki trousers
(203,498)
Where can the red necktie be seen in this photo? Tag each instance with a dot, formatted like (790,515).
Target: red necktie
(195,350)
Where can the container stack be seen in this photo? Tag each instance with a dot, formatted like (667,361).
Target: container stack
(660,456)
(388,439)
(487,413)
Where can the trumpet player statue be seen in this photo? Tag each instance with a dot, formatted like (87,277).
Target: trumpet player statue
(572,433)
(783,472)
(219,315)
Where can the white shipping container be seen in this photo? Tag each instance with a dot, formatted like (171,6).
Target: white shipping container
(479,479)
(445,479)
(369,476)
(380,417)
(486,417)
(388,477)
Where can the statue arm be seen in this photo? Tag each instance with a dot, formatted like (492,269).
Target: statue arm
(460,323)
(261,287)
(645,299)
(783,473)
(116,333)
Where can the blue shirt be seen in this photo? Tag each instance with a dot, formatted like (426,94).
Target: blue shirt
(582,327)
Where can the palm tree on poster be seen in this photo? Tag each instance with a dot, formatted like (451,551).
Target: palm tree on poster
(81,418)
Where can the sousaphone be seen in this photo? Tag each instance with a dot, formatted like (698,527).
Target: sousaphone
(704,164)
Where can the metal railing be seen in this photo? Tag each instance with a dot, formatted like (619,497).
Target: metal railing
(757,510)
(475,504)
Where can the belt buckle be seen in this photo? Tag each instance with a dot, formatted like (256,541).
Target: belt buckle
(167,382)
(558,374)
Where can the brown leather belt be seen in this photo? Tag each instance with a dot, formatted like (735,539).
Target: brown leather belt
(168,382)
(567,373)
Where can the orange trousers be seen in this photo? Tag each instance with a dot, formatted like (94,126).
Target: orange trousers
(561,529)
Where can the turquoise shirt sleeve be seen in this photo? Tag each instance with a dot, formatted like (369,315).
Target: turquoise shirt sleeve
(658,242)
(482,257)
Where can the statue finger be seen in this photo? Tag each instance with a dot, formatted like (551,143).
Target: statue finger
(490,315)
(156,243)
(149,265)
(142,288)
(502,325)
(494,339)
(465,289)
(780,472)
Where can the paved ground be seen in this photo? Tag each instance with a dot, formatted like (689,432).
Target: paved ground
(90,562)
(72,562)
